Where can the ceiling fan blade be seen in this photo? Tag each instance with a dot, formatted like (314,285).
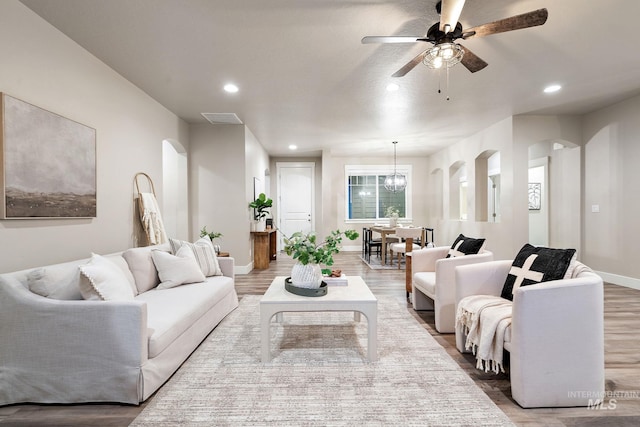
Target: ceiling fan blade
(472,61)
(391,39)
(450,14)
(410,65)
(526,20)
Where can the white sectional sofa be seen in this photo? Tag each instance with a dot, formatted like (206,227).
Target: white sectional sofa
(63,349)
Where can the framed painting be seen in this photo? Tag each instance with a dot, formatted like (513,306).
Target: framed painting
(48,164)
(535,196)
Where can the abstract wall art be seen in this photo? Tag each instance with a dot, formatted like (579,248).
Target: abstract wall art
(48,164)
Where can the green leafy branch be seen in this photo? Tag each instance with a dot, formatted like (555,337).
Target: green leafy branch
(304,247)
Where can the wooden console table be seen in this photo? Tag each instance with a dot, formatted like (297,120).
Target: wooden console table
(264,248)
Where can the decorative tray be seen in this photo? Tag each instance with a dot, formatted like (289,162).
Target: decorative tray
(305,292)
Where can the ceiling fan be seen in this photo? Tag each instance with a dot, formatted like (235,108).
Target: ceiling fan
(445,52)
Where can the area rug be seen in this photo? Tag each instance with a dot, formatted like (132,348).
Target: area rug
(375,263)
(319,375)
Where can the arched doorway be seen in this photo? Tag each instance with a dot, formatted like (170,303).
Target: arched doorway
(554,183)
(175,194)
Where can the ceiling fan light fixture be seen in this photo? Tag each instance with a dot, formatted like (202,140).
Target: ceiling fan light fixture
(443,54)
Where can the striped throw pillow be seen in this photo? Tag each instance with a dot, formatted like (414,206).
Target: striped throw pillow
(204,252)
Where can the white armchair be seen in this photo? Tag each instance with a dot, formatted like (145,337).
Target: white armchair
(433,283)
(556,337)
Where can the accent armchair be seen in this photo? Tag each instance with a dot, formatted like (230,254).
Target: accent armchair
(556,335)
(433,284)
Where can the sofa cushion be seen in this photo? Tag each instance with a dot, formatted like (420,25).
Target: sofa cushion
(142,266)
(56,282)
(170,312)
(178,269)
(104,281)
(534,265)
(204,252)
(464,245)
(425,281)
(118,260)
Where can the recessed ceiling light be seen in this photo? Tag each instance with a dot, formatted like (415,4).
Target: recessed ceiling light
(552,88)
(231,88)
(293,147)
(392,87)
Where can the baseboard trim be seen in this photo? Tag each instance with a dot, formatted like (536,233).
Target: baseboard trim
(616,279)
(243,269)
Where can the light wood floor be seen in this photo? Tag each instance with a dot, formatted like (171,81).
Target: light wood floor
(622,359)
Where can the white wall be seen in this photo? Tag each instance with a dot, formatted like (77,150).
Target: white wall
(539,218)
(611,159)
(217,184)
(598,168)
(563,201)
(223,161)
(42,66)
(256,165)
(175,182)
(333,192)
(506,237)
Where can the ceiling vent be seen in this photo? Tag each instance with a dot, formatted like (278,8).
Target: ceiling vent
(222,118)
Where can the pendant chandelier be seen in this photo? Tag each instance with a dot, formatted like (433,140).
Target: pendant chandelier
(396,182)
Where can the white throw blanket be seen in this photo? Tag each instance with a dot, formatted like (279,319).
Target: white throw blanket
(484,319)
(151,219)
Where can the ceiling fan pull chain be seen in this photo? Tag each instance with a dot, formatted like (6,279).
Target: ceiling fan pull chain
(439,80)
(447,89)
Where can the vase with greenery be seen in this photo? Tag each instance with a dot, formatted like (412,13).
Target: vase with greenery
(392,213)
(261,207)
(310,254)
(211,235)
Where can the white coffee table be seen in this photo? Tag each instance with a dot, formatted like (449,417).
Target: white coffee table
(355,297)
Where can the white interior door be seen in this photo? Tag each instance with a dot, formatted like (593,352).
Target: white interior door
(296,198)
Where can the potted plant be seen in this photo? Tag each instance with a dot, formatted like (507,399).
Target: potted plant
(261,207)
(304,248)
(211,235)
(392,213)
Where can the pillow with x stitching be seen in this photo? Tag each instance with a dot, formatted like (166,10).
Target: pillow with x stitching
(465,246)
(533,265)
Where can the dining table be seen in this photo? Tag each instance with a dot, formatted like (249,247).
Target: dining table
(384,231)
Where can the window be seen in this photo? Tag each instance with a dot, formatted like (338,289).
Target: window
(367,199)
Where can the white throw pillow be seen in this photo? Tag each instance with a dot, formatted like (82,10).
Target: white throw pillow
(55,282)
(179,269)
(142,267)
(204,252)
(105,281)
(121,263)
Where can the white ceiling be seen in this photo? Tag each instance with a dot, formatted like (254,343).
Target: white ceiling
(306,79)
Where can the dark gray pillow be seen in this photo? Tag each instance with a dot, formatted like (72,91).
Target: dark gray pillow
(533,265)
